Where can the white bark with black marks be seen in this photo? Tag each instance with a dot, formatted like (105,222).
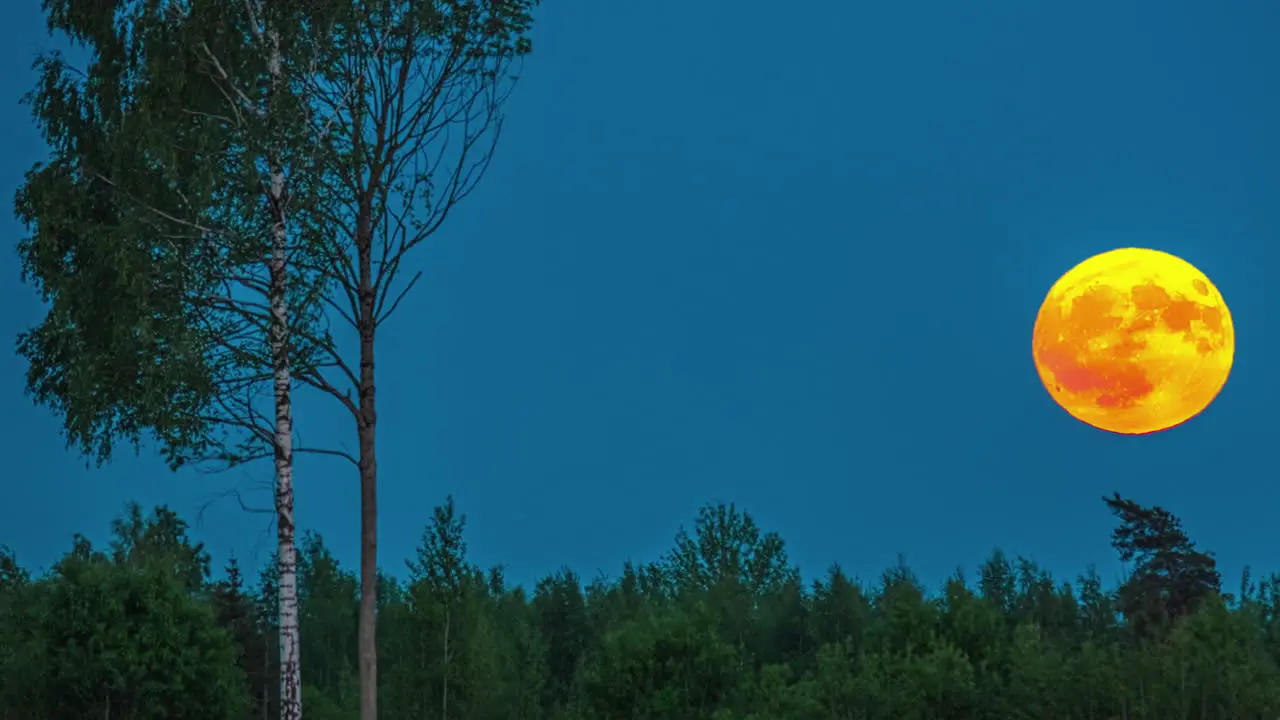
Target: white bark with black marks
(287,560)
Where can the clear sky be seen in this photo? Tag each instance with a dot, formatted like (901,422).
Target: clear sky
(790,259)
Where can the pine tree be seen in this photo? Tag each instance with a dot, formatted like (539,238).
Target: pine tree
(1170,578)
(236,613)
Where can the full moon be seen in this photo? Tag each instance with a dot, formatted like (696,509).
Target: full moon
(1133,341)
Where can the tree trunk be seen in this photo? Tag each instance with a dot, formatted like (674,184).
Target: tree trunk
(444,695)
(286,560)
(366,426)
(290,667)
(266,677)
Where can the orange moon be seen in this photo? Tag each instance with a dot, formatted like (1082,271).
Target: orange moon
(1133,341)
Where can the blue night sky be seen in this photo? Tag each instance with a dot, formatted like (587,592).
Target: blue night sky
(787,259)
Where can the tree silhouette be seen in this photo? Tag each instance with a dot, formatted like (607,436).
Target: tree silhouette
(122,632)
(1170,577)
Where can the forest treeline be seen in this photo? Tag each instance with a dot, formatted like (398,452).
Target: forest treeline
(720,628)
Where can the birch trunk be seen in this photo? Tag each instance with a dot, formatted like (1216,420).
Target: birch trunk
(290,667)
(286,560)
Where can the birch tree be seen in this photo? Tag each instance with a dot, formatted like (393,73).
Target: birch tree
(400,105)
(160,240)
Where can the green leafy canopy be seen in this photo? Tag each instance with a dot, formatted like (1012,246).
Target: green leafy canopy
(150,205)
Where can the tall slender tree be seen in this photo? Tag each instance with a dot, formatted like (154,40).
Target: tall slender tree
(161,241)
(407,100)
(234,611)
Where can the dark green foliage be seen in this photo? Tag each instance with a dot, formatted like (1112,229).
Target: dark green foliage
(159,540)
(117,638)
(1170,577)
(668,663)
(720,629)
(327,598)
(560,614)
(119,352)
(234,612)
(148,225)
